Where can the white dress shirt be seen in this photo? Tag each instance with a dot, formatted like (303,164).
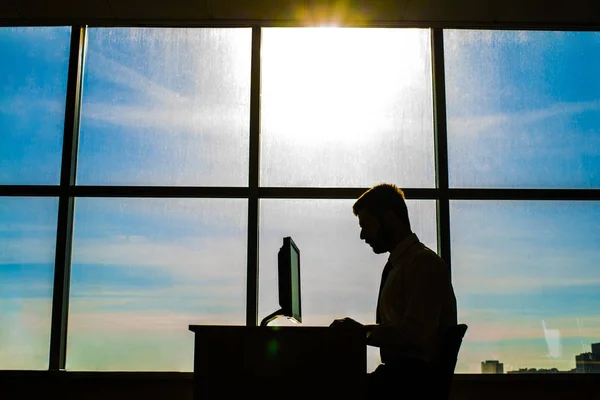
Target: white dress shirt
(416,304)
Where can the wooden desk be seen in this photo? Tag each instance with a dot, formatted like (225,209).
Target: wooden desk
(292,362)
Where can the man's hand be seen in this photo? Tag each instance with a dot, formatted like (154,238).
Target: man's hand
(346,323)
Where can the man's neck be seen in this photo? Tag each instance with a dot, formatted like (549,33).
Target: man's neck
(398,238)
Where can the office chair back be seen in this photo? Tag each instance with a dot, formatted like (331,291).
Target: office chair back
(450,348)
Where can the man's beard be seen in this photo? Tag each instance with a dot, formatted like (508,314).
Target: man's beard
(382,243)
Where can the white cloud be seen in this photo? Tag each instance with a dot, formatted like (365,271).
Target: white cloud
(28,102)
(24,333)
(24,250)
(188,118)
(26,228)
(185,258)
(154,106)
(202,290)
(186,214)
(185,135)
(129,323)
(474,125)
(519,341)
(149,104)
(456,38)
(494,273)
(487,284)
(111,71)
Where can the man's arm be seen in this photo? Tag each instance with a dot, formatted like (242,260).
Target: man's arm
(427,281)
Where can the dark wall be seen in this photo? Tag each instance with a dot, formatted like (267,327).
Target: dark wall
(438,13)
(179,386)
(95,386)
(526,387)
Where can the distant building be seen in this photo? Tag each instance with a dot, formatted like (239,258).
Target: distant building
(536,371)
(492,367)
(584,363)
(589,362)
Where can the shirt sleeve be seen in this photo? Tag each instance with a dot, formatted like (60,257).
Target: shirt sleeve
(425,287)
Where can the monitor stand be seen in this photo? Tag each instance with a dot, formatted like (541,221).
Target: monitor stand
(271,317)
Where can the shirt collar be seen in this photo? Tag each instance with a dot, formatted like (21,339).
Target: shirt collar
(401,247)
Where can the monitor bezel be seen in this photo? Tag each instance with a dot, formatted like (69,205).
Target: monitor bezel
(286,279)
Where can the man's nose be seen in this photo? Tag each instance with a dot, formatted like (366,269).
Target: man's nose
(362,236)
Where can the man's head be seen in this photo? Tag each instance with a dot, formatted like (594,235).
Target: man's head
(382,216)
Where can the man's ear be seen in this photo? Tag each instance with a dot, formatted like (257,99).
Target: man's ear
(390,218)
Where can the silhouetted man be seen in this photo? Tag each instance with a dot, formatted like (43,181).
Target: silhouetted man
(416,302)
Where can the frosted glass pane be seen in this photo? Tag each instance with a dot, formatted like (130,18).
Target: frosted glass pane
(27,250)
(166,107)
(523,108)
(33,86)
(527,282)
(144,270)
(346,107)
(340,274)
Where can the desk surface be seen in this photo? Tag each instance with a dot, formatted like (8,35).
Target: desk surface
(299,328)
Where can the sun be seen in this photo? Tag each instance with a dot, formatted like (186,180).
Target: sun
(341,85)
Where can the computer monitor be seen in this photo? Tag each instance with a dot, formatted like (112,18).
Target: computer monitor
(288,270)
(289,280)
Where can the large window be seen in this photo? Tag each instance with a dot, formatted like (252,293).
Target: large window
(523,110)
(33,83)
(333,100)
(145,269)
(340,273)
(27,241)
(166,107)
(527,281)
(196,149)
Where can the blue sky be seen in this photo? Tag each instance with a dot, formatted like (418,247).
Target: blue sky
(159,107)
(34,84)
(528,103)
(170,107)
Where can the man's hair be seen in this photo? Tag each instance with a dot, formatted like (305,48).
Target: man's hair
(382,198)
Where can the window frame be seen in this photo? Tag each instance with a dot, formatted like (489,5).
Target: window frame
(67,191)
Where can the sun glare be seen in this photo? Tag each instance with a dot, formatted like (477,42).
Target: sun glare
(330,84)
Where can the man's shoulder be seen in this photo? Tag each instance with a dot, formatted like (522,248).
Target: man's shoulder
(424,257)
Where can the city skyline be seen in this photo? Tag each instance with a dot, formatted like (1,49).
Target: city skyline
(587,362)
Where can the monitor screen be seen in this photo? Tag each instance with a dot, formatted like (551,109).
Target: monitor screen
(289,279)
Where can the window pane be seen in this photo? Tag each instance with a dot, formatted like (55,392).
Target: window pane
(527,280)
(340,274)
(33,85)
(27,249)
(166,107)
(523,108)
(145,269)
(346,107)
